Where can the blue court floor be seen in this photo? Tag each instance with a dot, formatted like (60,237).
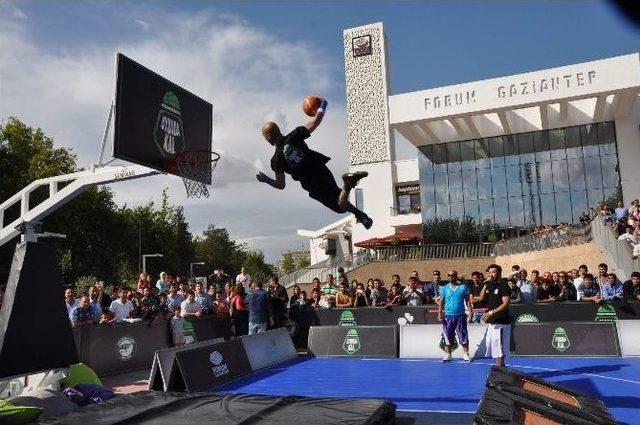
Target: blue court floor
(428,385)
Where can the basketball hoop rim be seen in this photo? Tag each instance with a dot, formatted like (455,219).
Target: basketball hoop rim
(212,155)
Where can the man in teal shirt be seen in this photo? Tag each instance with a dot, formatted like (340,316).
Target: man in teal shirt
(453,297)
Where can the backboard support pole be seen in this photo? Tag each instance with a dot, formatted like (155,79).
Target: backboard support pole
(99,163)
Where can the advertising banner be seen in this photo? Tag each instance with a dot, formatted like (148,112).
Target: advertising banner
(628,332)
(269,348)
(204,368)
(565,339)
(123,347)
(361,341)
(426,341)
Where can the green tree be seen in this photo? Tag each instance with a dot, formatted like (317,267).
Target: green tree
(303,262)
(288,265)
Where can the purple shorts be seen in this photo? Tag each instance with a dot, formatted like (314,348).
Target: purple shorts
(455,325)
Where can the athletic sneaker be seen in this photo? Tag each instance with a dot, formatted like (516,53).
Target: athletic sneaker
(351,179)
(465,357)
(447,357)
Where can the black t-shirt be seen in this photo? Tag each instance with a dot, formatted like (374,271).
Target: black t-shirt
(294,157)
(475,291)
(495,291)
(545,294)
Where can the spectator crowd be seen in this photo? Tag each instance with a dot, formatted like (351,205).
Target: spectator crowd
(577,285)
(251,308)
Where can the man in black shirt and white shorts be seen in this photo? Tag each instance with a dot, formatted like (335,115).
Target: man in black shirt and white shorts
(309,167)
(497,294)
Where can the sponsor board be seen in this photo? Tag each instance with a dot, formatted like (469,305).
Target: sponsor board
(361,341)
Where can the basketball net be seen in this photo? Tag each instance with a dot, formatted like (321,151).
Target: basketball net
(195,167)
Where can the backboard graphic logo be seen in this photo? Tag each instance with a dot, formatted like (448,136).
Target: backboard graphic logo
(169,132)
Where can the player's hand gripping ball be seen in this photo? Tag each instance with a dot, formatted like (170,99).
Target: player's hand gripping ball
(310,105)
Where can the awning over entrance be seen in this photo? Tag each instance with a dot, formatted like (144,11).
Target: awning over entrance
(585,93)
(406,237)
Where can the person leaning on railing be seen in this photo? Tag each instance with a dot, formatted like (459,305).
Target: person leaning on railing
(343,297)
(631,288)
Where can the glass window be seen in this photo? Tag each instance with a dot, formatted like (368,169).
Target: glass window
(516,211)
(442,188)
(455,186)
(576,174)
(593,173)
(428,212)
(610,177)
(525,143)
(572,141)
(442,210)
(563,207)
(589,138)
(501,211)
(510,147)
(499,182)
(486,210)
(532,210)
(481,148)
(541,146)
(578,204)
(470,191)
(484,184)
(426,189)
(360,199)
(439,157)
(471,209)
(548,209)
(611,194)
(534,178)
(467,155)
(594,197)
(544,177)
(514,180)
(496,151)
(607,138)
(404,204)
(457,210)
(453,156)
(424,161)
(556,144)
(560,176)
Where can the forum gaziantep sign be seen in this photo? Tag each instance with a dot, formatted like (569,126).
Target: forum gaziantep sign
(515,89)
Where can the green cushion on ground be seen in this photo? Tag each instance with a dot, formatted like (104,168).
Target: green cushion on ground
(80,373)
(17,415)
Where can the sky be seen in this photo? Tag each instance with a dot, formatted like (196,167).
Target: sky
(256,60)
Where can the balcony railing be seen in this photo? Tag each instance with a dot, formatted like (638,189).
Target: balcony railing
(556,238)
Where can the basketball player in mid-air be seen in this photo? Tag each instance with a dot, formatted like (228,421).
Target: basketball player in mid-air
(293,156)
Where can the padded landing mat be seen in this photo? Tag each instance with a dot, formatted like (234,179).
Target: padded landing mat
(158,408)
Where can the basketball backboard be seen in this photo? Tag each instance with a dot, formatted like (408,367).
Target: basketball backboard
(155,119)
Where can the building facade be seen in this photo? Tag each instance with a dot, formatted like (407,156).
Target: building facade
(524,150)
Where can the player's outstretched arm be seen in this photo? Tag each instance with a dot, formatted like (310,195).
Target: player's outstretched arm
(279,182)
(315,122)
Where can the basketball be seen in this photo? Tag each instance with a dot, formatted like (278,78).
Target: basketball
(310,105)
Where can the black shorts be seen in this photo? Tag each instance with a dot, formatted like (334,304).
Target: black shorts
(321,185)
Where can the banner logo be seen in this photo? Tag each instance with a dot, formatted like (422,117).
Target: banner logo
(126,348)
(527,318)
(347,319)
(606,313)
(351,343)
(560,340)
(219,368)
(169,132)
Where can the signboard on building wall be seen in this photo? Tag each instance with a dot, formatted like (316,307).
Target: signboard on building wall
(361,45)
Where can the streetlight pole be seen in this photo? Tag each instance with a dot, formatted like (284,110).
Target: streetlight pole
(200,263)
(144,260)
